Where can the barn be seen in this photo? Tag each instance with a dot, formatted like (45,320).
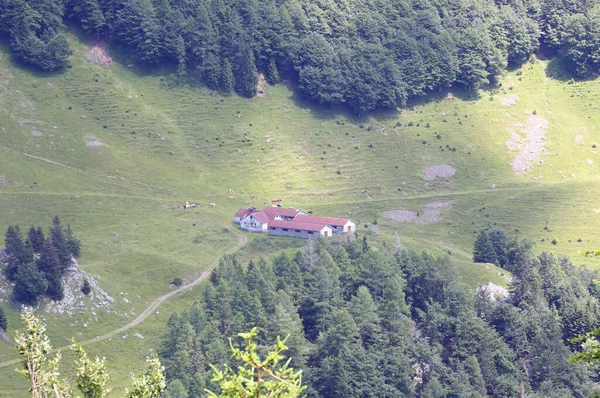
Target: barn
(255,222)
(283,213)
(295,229)
(337,225)
(242,213)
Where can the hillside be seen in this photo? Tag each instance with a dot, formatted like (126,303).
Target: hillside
(116,151)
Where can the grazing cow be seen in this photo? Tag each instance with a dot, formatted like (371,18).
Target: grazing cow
(251,196)
(231,197)
(187,205)
(247,203)
(275,200)
(230,190)
(265,203)
(242,192)
(288,186)
(212,205)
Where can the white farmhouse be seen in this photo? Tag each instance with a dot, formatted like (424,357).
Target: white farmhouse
(255,222)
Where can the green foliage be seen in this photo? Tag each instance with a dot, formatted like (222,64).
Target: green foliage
(3,320)
(90,379)
(226,78)
(29,284)
(483,249)
(368,57)
(18,253)
(35,238)
(272,73)
(258,377)
(85,287)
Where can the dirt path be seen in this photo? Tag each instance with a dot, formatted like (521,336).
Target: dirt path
(241,242)
(4,337)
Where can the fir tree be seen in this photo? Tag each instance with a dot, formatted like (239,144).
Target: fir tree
(226,78)
(483,250)
(57,237)
(245,78)
(272,74)
(29,284)
(55,289)
(181,57)
(18,253)
(35,237)
(212,71)
(3,320)
(73,244)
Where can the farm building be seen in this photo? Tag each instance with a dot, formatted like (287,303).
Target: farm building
(255,222)
(242,213)
(337,224)
(283,213)
(297,229)
(291,222)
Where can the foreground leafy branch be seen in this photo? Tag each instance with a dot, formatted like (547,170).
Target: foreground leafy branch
(91,377)
(258,378)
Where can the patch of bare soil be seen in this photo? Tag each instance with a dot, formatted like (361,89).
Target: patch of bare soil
(429,216)
(528,140)
(437,205)
(438,171)
(509,100)
(95,144)
(22,122)
(36,133)
(260,91)
(99,55)
(582,133)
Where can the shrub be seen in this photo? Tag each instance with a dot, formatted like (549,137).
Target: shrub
(86,288)
(178,282)
(554,242)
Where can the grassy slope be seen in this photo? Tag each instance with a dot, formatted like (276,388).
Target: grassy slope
(166,145)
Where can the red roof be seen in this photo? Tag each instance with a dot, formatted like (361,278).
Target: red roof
(272,212)
(302,226)
(261,216)
(336,222)
(244,212)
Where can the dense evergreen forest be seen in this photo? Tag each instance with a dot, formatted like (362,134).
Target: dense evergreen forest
(367,54)
(368,321)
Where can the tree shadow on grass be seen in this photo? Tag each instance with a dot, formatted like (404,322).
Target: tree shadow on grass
(331,112)
(32,70)
(558,69)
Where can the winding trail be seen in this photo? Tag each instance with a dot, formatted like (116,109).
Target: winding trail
(241,242)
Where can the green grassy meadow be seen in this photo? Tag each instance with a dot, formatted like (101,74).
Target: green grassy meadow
(115,152)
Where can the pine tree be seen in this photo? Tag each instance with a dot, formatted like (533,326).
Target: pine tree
(483,250)
(226,78)
(29,284)
(18,253)
(181,58)
(48,262)
(3,320)
(73,244)
(211,71)
(272,73)
(35,237)
(55,288)
(245,78)
(57,237)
